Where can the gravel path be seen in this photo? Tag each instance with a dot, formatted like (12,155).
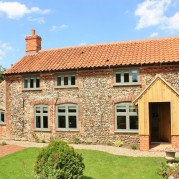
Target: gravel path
(109,149)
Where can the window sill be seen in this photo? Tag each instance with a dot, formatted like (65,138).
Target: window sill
(128,85)
(67,130)
(122,131)
(2,124)
(32,89)
(66,87)
(42,130)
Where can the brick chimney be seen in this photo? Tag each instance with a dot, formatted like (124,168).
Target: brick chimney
(33,43)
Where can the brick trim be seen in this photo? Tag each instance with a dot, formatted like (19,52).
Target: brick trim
(95,72)
(175,141)
(69,101)
(128,98)
(158,69)
(44,101)
(144,142)
(112,111)
(50,104)
(8,109)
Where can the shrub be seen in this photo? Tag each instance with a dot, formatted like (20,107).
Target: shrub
(4,142)
(167,170)
(109,143)
(88,142)
(34,135)
(59,161)
(43,140)
(118,143)
(76,140)
(134,146)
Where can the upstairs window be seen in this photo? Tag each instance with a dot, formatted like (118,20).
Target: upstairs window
(31,83)
(126,77)
(41,117)
(66,81)
(2,117)
(67,117)
(126,116)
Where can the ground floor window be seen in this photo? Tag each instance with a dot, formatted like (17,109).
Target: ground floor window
(126,117)
(2,117)
(41,117)
(67,118)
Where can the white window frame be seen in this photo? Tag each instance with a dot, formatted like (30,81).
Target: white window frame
(127,114)
(28,83)
(2,122)
(67,114)
(122,72)
(41,114)
(62,76)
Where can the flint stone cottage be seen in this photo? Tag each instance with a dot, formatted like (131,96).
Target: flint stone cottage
(125,91)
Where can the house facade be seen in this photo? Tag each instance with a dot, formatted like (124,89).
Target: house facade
(125,91)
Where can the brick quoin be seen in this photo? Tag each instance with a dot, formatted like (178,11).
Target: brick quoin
(144,142)
(175,141)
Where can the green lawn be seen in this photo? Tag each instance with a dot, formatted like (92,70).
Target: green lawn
(98,165)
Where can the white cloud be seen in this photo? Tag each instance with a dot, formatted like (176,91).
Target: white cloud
(151,12)
(16,10)
(171,23)
(61,27)
(4,49)
(39,20)
(154,34)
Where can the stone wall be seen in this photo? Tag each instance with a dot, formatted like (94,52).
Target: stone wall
(95,96)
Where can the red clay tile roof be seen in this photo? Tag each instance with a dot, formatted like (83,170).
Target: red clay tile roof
(149,51)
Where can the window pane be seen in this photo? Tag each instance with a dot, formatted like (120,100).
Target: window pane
(121,122)
(31,83)
(37,109)
(65,80)
(118,78)
(37,82)
(121,108)
(45,109)
(61,122)
(72,109)
(72,80)
(133,122)
(126,77)
(25,83)
(132,109)
(2,117)
(59,81)
(72,122)
(61,109)
(38,122)
(135,76)
(45,121)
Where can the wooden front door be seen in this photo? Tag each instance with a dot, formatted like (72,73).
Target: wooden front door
(160,126)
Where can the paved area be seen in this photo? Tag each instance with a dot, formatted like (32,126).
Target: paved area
(19,145)
(8,149)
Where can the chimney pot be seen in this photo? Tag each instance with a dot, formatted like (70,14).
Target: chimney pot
(33,32)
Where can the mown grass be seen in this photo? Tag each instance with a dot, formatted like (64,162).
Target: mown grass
(98,165)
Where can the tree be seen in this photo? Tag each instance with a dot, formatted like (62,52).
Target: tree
(2,69)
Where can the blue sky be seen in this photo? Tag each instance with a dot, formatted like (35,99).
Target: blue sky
(63,23)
